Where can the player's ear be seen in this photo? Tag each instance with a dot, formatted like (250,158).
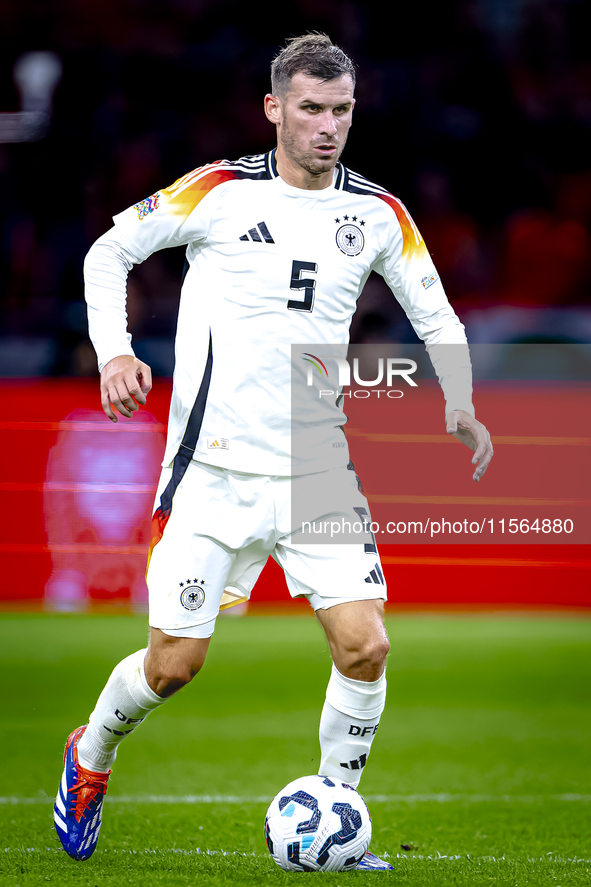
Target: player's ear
(273,108)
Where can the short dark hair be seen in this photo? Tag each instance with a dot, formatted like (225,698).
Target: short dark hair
(313,54)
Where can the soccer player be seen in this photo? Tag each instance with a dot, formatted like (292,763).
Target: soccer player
(279,247)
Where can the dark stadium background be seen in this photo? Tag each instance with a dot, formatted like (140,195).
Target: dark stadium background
(476,113)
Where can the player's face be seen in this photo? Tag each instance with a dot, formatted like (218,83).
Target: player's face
(313,122)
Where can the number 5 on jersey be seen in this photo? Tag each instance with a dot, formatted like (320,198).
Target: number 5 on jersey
(308,284)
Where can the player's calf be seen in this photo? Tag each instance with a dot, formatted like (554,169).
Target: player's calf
(348,725)
(124,704)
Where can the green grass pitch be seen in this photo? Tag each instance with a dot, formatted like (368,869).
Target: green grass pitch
(480,773)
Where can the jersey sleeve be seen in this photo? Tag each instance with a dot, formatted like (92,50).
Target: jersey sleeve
(408,269)
(175,216)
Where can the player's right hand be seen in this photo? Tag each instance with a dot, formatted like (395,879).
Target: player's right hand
(125,382)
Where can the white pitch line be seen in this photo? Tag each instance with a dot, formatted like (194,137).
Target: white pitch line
(456,856)
(440,798)
(449,798)
(197,851)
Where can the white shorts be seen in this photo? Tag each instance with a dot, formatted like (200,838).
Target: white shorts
(221,526)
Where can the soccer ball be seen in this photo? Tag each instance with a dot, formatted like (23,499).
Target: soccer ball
(317,824)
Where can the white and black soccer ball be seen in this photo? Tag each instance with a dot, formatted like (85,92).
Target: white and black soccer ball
(317,824)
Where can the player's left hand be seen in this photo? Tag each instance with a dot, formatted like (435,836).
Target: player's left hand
(475,435)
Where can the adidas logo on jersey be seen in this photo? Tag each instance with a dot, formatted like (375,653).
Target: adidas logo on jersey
(259,234)
(218,443)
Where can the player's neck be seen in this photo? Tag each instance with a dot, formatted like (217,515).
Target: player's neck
(298,177)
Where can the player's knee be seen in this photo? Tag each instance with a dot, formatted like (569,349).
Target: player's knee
(171,663)
(169,670)
(374,652)
(365,659)
(170,676)
(378,649)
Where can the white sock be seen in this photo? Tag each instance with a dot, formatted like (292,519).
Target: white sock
(124,703)
(349,721)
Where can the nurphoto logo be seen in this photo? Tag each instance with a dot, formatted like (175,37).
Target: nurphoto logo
(388,371)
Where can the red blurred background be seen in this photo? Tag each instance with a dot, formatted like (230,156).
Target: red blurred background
(77,495)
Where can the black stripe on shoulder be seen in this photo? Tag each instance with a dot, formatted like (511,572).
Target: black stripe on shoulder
(272,164)
(341,178)
(253,166)
(357,184)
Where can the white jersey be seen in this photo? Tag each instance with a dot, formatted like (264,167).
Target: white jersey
(270,265)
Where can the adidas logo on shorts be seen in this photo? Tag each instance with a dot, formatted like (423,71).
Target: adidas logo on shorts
(376,576)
